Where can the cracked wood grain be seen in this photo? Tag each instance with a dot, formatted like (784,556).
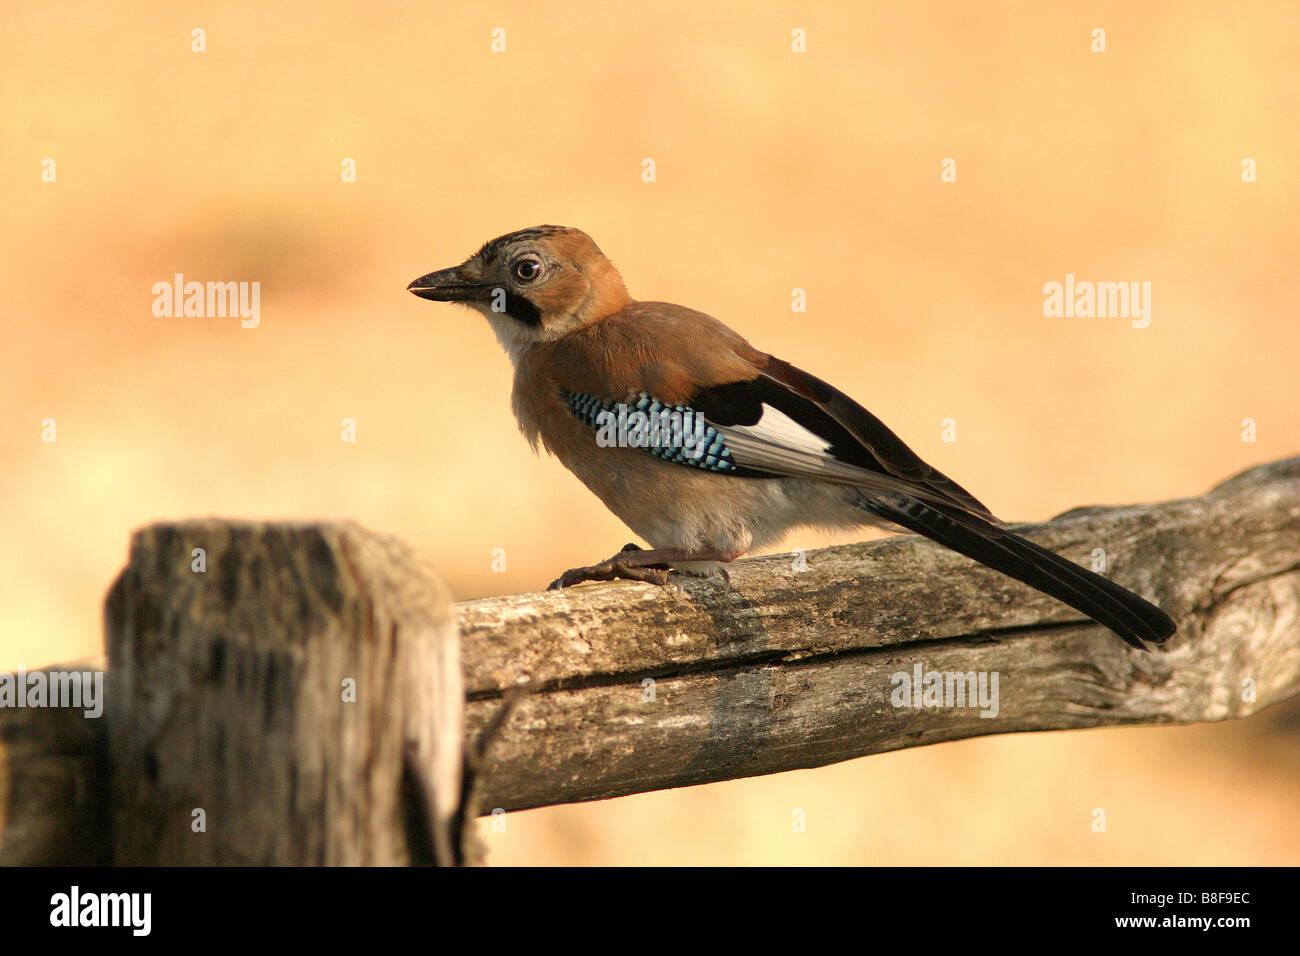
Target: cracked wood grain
(788,669)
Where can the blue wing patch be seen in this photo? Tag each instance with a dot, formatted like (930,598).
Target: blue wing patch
(676,433)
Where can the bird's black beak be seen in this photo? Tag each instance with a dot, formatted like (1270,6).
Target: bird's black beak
(447,285)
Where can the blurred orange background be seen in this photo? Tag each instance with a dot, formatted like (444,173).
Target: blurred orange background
(775,170)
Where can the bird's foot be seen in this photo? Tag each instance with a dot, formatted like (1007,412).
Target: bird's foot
(637,564)
(624,566)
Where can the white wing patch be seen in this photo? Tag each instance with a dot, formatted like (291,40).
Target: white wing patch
(777,428)
(779,444)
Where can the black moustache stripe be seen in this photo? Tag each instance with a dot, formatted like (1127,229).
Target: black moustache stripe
(522,310)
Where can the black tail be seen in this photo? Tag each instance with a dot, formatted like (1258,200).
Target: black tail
(1132,618)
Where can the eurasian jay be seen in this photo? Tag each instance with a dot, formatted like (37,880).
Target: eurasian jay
(752,447)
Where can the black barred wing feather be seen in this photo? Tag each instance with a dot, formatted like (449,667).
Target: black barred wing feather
(675,433)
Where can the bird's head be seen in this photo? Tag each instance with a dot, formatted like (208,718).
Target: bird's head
(534,285)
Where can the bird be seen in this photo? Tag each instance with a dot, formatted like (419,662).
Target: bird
(708,448)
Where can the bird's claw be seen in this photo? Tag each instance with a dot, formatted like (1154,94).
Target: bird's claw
(612,570)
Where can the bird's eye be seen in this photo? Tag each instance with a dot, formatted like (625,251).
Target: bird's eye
(528,268)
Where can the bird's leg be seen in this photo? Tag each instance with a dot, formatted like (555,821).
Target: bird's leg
(637,564)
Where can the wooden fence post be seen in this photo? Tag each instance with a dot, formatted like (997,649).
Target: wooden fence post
(282,694)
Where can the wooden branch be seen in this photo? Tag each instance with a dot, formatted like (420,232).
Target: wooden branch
(225,688)
(792,669)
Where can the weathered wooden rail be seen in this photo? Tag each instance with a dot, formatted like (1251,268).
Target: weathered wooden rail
(299,694)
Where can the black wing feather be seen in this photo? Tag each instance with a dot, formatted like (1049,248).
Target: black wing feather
(934,505)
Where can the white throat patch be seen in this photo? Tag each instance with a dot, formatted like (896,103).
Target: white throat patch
(514,336)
